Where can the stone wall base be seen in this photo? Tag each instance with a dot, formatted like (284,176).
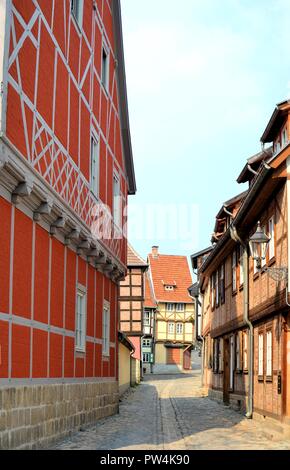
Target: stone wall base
(35,416)
(237,402)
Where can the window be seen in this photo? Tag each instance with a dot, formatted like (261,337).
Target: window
(264,261)
(269,353)
(95,166)
(260,355)
(232,361)
(81,320)
(146,318)
(234,271)
(146,342)
(171,328)
(180,307)
(169,287)
(216,356)
(117,200)
(217,289)
(241,266)
(106,330)
(213,290)
(284,137)
(222,283)
(146,357)
(170,307)
(238,351)
(179,328)
(245,350)
(105,68)
(272,238)
(221,355)
(77,11)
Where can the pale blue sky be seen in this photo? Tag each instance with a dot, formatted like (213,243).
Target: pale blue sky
(203,78)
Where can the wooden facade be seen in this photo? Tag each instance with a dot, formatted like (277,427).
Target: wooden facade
(227,346)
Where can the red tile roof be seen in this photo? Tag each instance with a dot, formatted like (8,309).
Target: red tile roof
(171,270)
(149,301)
(133,259)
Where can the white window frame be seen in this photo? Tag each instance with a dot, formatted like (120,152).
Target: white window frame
(234,270)
(245,350)
(77,10)
(284,136)
(81,319)
(261,354)
(106,329)
(146,358)
(241,265)
(146,342)
(170,307)
(221,355)
(105,73)
(95,165)
(271,231)
(171,328)
(179,328)
(264,261)
(180,307)
(117,200)
(146,318)
(213,290)
(169,288)
(269,348)
(217,295)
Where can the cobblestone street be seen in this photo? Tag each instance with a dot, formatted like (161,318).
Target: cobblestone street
(171,413)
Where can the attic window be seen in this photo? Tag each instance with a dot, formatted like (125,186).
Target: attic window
(167,287)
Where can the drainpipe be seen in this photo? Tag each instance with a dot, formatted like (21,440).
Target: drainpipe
(288,214)
(236,238)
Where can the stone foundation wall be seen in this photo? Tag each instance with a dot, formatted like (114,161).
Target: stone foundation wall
(237,402)
(35,416)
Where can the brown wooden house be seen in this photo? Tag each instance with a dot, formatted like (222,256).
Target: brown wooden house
(131,301)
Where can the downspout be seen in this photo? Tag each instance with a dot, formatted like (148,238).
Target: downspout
(288,214)
(236,238)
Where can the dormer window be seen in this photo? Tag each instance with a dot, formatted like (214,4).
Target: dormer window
(284,137)
(169,288)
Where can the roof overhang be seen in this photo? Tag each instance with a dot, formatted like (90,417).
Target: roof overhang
(122,338)
(276,121)
(123,98)
(255,202)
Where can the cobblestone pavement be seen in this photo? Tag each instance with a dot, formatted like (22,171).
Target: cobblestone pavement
(172,413)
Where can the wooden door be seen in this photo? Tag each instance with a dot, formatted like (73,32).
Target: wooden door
(226,377)
(174,356)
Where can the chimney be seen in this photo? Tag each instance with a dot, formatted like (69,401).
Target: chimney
(155,251)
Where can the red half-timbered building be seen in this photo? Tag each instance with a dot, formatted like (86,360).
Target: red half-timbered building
(66,169)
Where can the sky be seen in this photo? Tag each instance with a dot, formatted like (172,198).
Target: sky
(203,78)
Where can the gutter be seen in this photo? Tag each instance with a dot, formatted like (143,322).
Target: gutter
(260,179)
(236,238)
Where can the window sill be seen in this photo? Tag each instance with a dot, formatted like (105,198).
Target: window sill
(234,292)
(80,352)
(105,357)
(241,287)
(260,378)
(269,379)
(256,276)
(246,371)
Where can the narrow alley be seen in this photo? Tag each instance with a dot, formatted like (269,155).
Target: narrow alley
(170,412)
